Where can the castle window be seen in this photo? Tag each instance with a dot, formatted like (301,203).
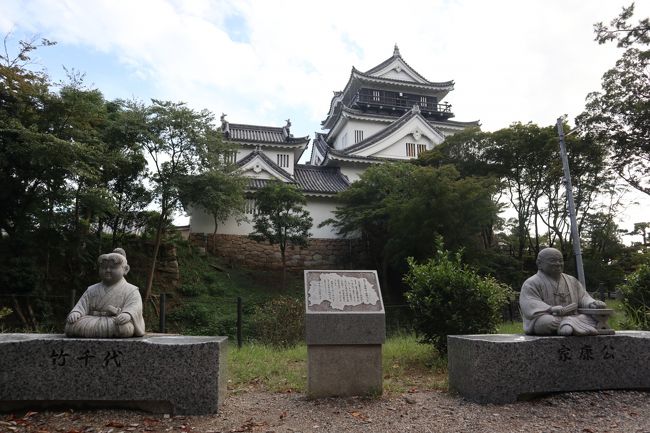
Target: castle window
(423,101)
(230,157)
(410,150)
(283,160)
(376,96)
(249,206)
(414,150)
(358,136)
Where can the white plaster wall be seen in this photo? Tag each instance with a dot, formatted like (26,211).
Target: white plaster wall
(398,149)
(273,155)
(368,128)
(401,75)
(353,172)
(202,222)
(320,209)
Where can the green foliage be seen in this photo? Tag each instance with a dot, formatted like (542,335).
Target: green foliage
(266,328)
(401,208)
(618,117)
(219,192)
(4,312)
(636,299)
(449,298)
(281,218)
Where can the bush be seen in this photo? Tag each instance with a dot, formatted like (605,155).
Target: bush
(450,298)
(636,299)
(279,322)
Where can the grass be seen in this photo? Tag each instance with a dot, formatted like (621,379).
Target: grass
(615,321)
(407,366)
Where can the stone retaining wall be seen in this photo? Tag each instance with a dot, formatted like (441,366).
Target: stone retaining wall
(318,254)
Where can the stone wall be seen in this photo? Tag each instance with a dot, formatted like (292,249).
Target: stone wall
(318,254)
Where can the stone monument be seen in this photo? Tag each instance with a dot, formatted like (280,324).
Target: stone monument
(111,308)
(345,329)
(554,303)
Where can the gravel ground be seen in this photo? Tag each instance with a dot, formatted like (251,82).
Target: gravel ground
(588,412)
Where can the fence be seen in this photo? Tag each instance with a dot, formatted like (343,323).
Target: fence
(232,317)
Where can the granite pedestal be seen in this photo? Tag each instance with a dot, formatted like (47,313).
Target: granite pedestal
(345,328)
(157,373)
(505,368)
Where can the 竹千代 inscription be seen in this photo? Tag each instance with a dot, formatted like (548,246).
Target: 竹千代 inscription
(341,291)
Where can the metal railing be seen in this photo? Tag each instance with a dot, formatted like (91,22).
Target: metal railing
(388,101)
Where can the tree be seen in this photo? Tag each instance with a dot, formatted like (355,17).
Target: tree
(280,218)
(173,134)
(401,208)
(221,194)
(217,187)
(619,115)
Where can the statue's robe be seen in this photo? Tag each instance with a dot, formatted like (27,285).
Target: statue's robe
(99,306)
(540,292)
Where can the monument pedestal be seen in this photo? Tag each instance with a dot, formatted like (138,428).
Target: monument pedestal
(157,373)
(344,370)
(345,329)
(504,368)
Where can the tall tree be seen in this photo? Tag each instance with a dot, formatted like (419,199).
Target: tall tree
(174,133)
(217,187)
(281,218)
(619,115)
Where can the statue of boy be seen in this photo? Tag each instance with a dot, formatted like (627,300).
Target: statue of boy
(549,300)
(112,308)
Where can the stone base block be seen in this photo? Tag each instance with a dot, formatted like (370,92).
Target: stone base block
(158,373)
(344,370)
(506,368)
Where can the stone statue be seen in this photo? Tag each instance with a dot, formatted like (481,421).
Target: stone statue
(549,300)
(112,308)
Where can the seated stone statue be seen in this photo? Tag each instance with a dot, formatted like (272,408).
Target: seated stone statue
(112,308)
(549,300)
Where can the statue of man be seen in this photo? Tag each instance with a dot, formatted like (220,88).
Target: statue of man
(111,308)
(549,300)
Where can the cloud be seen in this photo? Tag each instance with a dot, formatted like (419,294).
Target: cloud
(264,61)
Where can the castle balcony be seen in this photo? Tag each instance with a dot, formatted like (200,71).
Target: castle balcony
(399,103)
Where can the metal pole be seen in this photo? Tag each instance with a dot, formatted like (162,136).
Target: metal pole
(239,314)
(575,236)
(163,302)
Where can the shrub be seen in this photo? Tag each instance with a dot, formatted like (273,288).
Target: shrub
(636,299)
(450,298)
(279,322)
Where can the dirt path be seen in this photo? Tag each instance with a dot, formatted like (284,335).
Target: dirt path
(433,411)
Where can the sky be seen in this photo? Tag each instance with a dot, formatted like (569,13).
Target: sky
(264,61)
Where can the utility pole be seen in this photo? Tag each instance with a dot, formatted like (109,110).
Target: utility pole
(575,236)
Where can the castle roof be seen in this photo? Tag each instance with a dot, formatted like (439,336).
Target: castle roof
(310,179)
(320,179)
(393,73)
(265,135)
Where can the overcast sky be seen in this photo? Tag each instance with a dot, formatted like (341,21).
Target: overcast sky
(265,61)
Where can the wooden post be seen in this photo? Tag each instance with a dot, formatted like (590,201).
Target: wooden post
(163,301)
(239,319)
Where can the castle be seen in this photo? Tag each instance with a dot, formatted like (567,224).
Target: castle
(388,113)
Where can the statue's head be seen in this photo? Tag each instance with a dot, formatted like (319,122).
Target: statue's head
(551,262)
(113,266)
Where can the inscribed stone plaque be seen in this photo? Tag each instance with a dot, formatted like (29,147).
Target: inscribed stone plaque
(342,291)
(343,307)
